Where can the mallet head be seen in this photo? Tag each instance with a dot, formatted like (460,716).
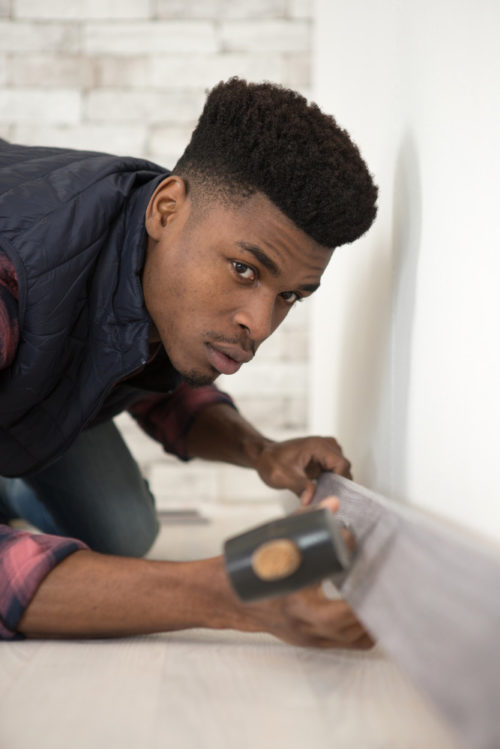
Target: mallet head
(286,555)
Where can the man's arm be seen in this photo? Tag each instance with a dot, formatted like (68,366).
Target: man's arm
(168,417)
(221,433)
(94,595)
(204,423)
(25,560)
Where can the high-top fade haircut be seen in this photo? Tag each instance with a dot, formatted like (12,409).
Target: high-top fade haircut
(261,137)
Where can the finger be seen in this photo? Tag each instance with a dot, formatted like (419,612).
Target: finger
(326,457)
(348,473)
(343,468)
(337,617)
(307,494)
(365,642)
(349,539)
(331,503)
(352,633)
(290,475)
(345,635)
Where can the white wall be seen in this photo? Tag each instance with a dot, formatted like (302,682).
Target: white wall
(405,332)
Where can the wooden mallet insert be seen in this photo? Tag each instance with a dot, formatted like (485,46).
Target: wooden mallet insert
(276,559)
(286,554)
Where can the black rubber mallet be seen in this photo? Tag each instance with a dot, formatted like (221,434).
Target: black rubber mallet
(287,554)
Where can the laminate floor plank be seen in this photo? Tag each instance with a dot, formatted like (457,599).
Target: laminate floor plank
(201,689)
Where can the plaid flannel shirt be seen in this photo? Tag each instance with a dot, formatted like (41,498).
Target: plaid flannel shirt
(25,559)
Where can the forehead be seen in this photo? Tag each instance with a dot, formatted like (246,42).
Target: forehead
(257,227)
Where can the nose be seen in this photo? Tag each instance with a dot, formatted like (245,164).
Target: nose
(256,315)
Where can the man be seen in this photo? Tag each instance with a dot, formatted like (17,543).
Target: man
(125,286)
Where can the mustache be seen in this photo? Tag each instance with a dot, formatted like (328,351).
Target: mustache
(245,343)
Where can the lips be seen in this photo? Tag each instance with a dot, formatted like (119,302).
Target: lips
(227,360)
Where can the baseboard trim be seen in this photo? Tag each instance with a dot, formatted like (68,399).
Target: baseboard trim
(430,594)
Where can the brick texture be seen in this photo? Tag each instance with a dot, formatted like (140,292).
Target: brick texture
(56,71)
(150,106)
(116,138)
(204,71)
(153,37)
(300,8)
(28,105)
(261,36)
(212,9)
(30,37)
(79,10)
(129,77)
(3,70)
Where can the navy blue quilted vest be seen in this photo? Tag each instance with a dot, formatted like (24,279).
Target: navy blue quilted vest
(72,222)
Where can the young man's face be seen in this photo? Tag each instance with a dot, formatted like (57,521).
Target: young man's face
(219,283)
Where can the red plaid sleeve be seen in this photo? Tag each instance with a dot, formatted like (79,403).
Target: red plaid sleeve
(25,560)
(167,418)
(9,325)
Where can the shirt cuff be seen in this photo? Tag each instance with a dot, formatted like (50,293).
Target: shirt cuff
(25,560)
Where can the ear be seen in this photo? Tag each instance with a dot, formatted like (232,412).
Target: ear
(166,202)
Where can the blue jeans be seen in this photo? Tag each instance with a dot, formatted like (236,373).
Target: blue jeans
(94,492)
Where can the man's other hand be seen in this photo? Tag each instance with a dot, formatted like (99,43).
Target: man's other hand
(307,617)
(295,463)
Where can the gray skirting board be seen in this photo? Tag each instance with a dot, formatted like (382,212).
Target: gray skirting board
(430,594)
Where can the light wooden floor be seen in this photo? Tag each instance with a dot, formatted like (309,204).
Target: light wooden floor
(207,690)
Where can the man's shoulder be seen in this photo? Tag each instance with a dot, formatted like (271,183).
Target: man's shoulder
(20,164)
(47,195)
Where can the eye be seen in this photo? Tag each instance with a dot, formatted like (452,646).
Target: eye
(243,270)
(290,297)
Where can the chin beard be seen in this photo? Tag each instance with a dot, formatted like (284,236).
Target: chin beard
(197,379)
(193,377)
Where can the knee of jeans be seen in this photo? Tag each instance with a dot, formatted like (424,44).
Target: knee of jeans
(129,539)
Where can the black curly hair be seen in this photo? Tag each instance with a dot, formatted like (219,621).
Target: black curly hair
(262,137)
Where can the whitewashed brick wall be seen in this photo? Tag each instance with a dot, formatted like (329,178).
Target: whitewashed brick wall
(130,77)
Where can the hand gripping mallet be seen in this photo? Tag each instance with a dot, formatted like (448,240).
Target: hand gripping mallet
(287,554)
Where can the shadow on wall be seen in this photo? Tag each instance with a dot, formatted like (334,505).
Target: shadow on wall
(377,341)
(363,354)
(406,237)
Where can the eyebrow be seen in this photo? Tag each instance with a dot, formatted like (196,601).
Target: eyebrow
(261,256)
(311,287)
(271,266)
